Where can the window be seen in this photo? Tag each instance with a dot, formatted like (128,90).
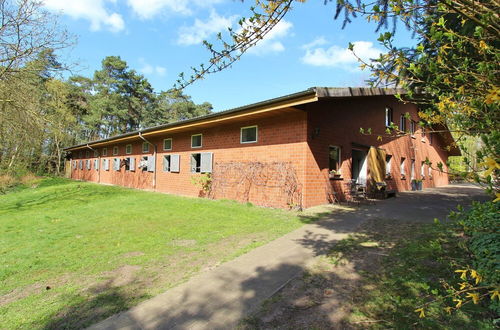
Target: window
(423,132)
(431,136)
(96,154)
(147,163)
(402,168)
(171,163)
(87,154)
(104,151)
(80,154)
(145,147)
(130,164)
(402,123)
(74,164)
(128,149)
(388,161)
(334,159)
(96,164)
(388,117)
(248,134)
(412,169)
(429,170)
(201,162)
(422,170)
(87,164)
(115,150)
(116,164)
(167,144)
(80,164)
(105,164)
(196,141)
(412,127)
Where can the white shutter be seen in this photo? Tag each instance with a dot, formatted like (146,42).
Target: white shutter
(206,162)
(131,163)
(151,163)
(193,163)
(166,165)
(175,163)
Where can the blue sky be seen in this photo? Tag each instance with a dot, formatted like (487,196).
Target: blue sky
(161,38)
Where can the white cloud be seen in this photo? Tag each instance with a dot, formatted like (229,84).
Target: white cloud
(336,56)
(149,69)
(93,10)
(147,9)
(320,41)
(270,44)
(201,30)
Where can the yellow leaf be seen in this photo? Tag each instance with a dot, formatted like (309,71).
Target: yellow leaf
(474,296)
(459,303)
(476,276)
(448,310)
(421,312)
(497,199)
(494,294)
(464,273)
(463,285)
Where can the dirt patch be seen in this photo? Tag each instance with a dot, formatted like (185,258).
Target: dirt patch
(20,293)
(132,254)
(116,278)
(183,242)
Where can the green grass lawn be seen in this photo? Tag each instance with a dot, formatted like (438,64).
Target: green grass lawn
(72,253)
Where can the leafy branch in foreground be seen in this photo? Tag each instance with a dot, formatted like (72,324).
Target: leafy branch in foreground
(265,16)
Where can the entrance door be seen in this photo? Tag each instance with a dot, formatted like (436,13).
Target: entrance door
(359,166)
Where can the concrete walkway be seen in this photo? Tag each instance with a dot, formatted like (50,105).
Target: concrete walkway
(220,298)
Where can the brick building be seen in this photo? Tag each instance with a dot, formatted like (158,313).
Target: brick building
(299,150)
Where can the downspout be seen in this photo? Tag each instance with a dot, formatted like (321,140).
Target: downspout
(99,160)
(154,155)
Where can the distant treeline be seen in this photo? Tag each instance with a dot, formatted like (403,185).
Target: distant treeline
(41,114)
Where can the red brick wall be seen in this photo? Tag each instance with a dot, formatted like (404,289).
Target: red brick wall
(339,124)
(281,139)
(286,142)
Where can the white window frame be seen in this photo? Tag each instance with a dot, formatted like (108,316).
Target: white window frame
(402,123)
(115,150)
(169,163)
(402,166)
(128,152)
(388,165)
(171,144)
(104,151)
(388,116)
(201,141)
(339,161)
(144,148)
(256,134)
(413,127)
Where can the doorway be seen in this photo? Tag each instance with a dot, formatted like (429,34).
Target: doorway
(359,166)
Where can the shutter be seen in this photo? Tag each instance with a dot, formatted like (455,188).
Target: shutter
(193,164)
(166,164)
(151,163)
(131,163)
(175,163)
(206,162)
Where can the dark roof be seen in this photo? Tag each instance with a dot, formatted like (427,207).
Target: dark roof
(319,92)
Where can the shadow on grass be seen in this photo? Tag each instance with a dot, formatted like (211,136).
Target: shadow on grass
(389,300)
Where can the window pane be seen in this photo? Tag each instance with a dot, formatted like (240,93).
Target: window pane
(334,157)
(196,141)
(249,134)
(167,144)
